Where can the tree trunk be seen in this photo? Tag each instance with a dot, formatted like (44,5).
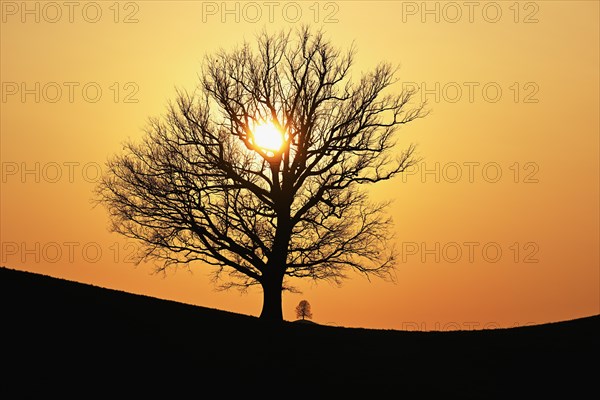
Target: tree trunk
(272,288)
(272,282)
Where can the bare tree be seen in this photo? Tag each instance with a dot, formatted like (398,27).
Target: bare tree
(200,187)
(303,310)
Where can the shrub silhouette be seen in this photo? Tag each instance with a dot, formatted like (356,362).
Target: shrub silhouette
(303,310)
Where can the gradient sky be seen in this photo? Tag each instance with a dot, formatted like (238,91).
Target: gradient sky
(498,226)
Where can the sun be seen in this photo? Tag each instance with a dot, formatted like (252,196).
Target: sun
(268,137)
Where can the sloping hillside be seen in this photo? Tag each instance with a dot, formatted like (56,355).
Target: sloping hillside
(69,338)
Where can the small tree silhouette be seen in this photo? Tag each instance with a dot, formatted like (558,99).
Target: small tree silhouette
(303,310)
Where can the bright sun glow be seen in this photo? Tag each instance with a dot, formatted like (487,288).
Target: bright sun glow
(268,137)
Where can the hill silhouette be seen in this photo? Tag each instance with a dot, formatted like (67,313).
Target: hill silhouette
(67,338)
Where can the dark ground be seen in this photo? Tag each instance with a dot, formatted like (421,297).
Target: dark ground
(75,340)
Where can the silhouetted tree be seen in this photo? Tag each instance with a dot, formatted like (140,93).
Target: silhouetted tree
(198,187)
(303,310)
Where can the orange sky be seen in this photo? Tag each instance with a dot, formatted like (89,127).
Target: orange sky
(510,150)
